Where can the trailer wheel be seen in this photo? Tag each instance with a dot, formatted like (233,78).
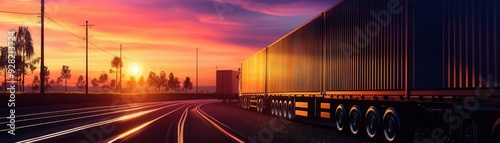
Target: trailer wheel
(280,108)
(247,103)
(242,102)
(262,105)
(495,133)
(277,108)
(354,119)
(372,121)
(285,108)
(340,117)
(468,131)
(291,110)
(258,105)
(273,108)
(391,125)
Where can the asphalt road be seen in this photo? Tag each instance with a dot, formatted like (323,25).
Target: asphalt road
(157,122)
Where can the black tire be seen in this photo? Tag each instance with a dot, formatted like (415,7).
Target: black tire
(273,107)
(391,125)
(495,132)
(340,117)
(355,119)
(284,108)
(372,122)
(291,110)
(258,106)
(280,108)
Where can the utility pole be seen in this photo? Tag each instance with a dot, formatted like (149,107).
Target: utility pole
(196,70)
(42,63)
(87,56)
(120,64)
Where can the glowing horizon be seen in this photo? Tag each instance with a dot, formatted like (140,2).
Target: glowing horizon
(157,35)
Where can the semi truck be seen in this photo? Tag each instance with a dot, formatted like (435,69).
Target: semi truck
(386,70)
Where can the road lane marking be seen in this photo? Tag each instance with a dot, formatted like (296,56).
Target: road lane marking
(133,130)
(75,129)
(218,125)
(75,113)
(71,110)
(180,126)
(76,118)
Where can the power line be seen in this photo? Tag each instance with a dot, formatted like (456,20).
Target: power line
(90,42)
(102,49)
(82,38)
(14,12)
(64,28)
(102,35)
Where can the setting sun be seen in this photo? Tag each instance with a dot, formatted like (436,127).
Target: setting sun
(135,70)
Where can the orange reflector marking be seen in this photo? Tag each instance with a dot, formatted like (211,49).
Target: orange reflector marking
(301,113)
(325,115)
(325,105)
(301,104)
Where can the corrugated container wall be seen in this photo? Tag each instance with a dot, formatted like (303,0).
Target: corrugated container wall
(294,62)
(455,44)
(253,73)
(365,45)
(227,82)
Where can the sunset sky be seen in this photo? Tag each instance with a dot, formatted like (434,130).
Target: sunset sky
(158,35)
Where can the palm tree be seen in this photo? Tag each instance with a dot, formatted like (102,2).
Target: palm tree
(3,64)
(24,45)
(117,63)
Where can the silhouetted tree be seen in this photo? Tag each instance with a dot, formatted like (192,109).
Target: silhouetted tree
(112,83)
(47,77)
(24,48)
(66,75)
(30,66)
(103,79)
(117,63)
(111,71)
(3,64)
(188,85)
(162,81)
(59,81)
(141,81)
(52,83)
(151,80)
(36,83)
(81,82)
(131,83)
(177,84)
(95,83)
(171,81)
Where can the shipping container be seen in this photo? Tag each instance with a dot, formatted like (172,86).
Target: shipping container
(364,48)
(294,61)
(226,82)
(253,70)
(389,70)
